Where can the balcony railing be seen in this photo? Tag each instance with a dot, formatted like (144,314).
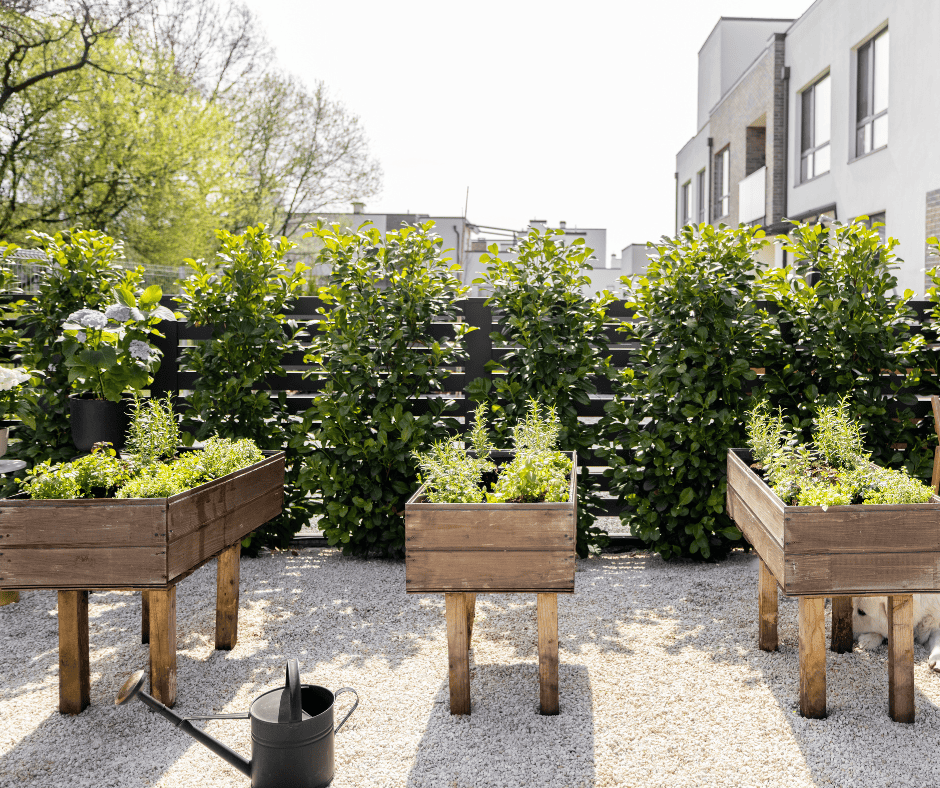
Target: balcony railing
(751,196)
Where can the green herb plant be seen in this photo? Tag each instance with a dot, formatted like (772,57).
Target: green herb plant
(680,405)
(243,294)
(85,477)
(153,433)
(375,356)
(556,350)
(835,470)
(537,472)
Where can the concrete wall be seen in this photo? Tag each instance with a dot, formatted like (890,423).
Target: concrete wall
(729,50)
(895,179)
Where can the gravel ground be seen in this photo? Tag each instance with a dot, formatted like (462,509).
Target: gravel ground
(661,683)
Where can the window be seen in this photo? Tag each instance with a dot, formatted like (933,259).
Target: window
(700,196)
(871,99)
(815,127)
(876,218)
(723,183)
(686,200)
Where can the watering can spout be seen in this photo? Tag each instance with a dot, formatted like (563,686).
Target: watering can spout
(133,688)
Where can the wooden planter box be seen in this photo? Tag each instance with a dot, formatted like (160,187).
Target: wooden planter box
(95,544)
(134,542)
(466,549)
(846,550)
(888,550)
(491,547)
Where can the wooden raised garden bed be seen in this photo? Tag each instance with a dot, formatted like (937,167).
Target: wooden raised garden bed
(75,546)
(840,552)
(462,550)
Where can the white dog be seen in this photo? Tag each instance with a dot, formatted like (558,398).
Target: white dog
(870,622)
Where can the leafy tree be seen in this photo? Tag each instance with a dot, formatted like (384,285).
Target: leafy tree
(556,347)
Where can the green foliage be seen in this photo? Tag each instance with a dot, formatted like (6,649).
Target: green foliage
(244,293)
(844,331)
(681,406)
(108,353)
(153,433)
(556,348)
(82,272)
(375,358)
(536,473)
(835,470)
(82,478)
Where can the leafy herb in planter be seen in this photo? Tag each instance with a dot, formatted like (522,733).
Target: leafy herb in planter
(87,477)
(834,471)
(154,432)
(537,473)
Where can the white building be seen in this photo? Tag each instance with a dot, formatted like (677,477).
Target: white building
(829,115)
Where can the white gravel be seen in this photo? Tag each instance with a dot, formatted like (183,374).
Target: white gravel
(661,683)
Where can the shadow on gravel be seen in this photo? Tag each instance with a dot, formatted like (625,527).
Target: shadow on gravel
(504,740)
(858,743)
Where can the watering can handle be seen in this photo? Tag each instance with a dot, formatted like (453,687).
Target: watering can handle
(336,695)
(293,689)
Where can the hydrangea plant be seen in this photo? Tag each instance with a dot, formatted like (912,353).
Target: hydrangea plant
(10,381)
(107,353)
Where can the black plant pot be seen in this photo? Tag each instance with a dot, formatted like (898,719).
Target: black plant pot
(97,420)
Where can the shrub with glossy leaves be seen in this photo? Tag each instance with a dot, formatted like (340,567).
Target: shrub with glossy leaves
(845,331)
(376,357)
(243,293)
(556,348)
(681,405)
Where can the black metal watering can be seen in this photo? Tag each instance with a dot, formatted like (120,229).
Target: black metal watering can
(291,731)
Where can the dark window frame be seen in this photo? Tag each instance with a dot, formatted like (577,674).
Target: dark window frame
(685,201)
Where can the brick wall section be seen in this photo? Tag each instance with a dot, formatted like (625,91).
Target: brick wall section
(755,156)
(931,230)
(760,92)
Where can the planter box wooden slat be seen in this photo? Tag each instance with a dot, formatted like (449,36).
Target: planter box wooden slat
(134,543)
(488,571)
(82,567)
(28,523)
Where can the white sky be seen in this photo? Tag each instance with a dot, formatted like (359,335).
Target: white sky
(558,111)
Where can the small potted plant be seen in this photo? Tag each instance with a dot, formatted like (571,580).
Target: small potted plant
(108,355)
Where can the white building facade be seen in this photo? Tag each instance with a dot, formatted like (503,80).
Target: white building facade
(833,116)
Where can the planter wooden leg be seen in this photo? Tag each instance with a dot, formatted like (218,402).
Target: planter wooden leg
(812,617)
(74,669)
(457,656)
(163,645)
(9,597)
(144,617)
(547,607)
(471,612)
(226,600)
(841,638)
(901,658)
(767,609)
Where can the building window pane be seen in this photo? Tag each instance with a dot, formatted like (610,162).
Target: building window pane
(822,160)
(722,183)
(879,132)
(872,95)
(821,112)
(686,205)
(880,75)
(701,196)
(815,129)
